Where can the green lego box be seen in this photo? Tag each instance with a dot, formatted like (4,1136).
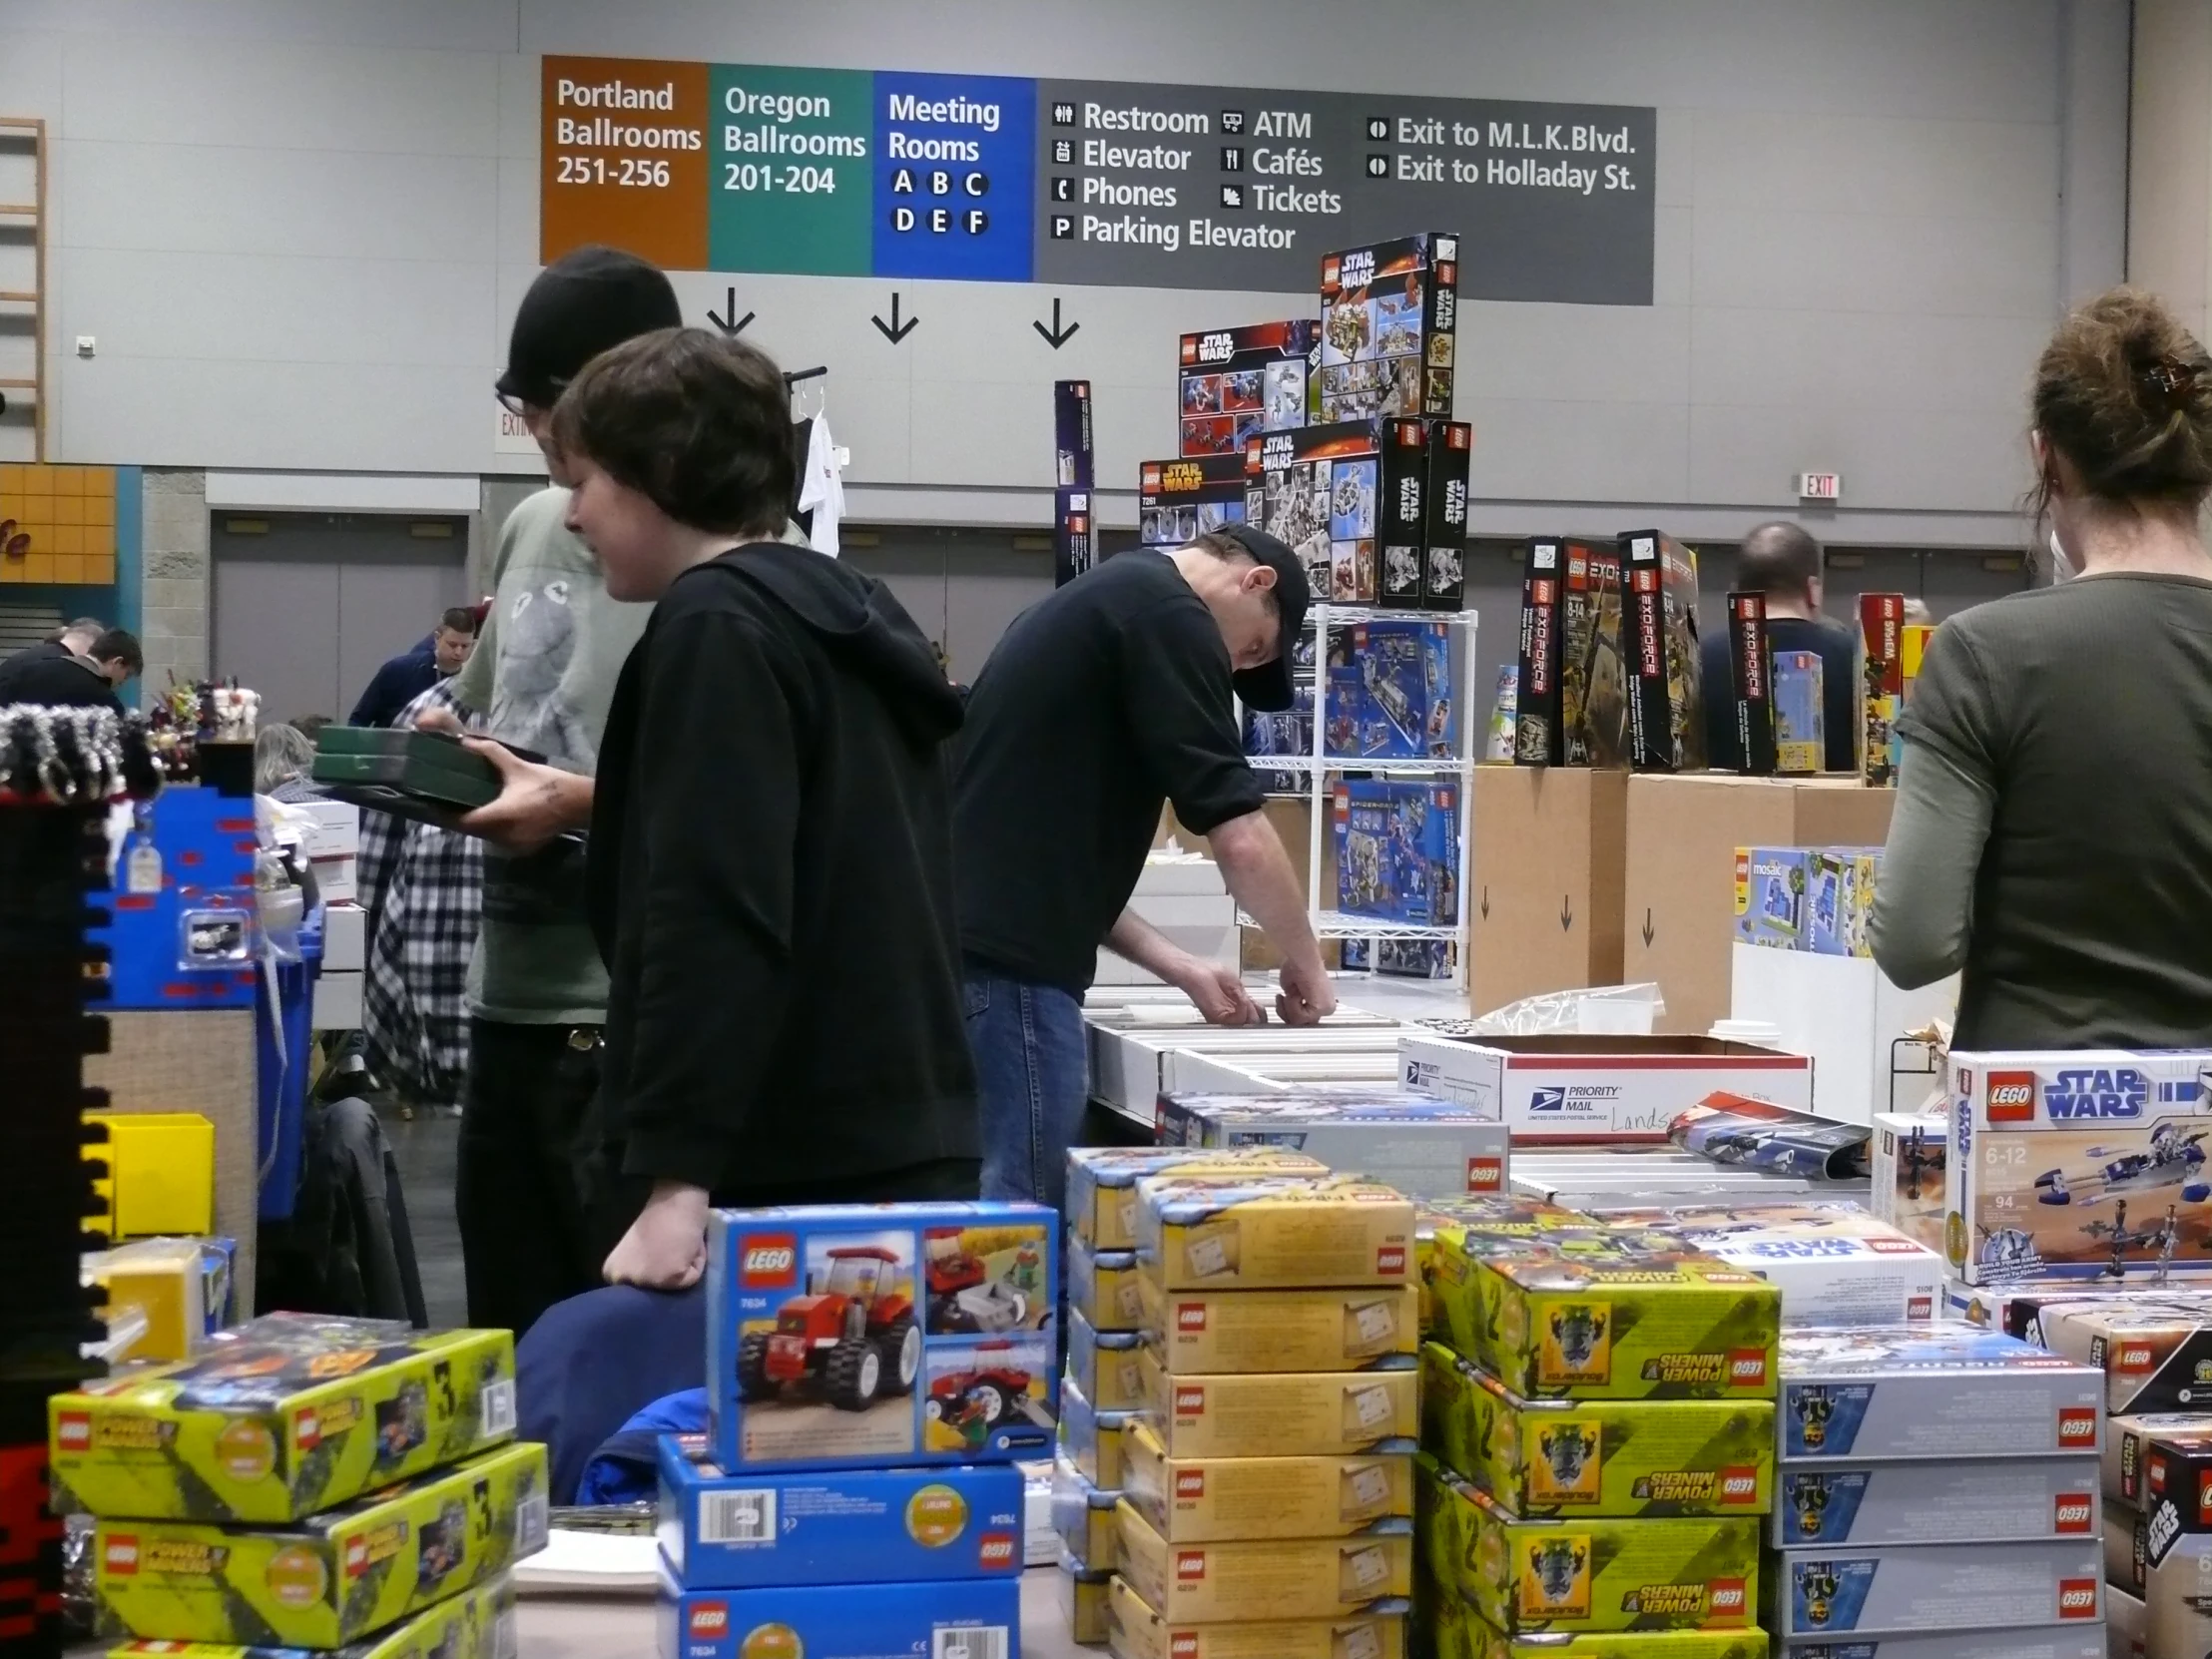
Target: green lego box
(1499,1217)
(1463,1320)
(477,1624)
(1610,1457)
(280,1418)
(335,1577)
(1456,1631)
(1590,1573)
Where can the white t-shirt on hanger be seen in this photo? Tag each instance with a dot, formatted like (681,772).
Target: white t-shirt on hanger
(822,488)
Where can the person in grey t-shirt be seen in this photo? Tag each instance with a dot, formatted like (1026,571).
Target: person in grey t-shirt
(2052,838)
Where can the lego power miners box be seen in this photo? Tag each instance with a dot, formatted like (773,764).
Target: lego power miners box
(1424,1147)
(1444,581)
(1589,1572)
(1458,1315)
(862,1336)
(1274,1578)
(1666,705)
(1834,1262)
(1323,1413)
(1476,1222)
(2087,1164)
(966,1618)
(1597,1457)
(280,1418)
(1991,1499)
(1456,1631)
(331,1578)
(1273,1232)
(1200,1500)
(1205,1333)
(1908,1166)
(1389,315)
(1337,493)
(720,1531)
(1233,384)
(1179,501)
(1539,732)
(1136,1631)
(1841,1594)
(1939,1389)
(1102,1182)
(479,1623)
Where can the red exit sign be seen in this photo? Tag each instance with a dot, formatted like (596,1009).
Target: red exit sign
(1820,486)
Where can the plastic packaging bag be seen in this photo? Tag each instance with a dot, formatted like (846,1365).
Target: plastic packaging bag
(1598,1012)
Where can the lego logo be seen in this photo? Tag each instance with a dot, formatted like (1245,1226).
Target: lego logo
(1747,1369)
(356,1557)
(1485,1175)
(1739,1485)
(710,1618)
(74,1432)
(2077,1598)
(1190,1403)
(2012,1097)
(307,1429)
(2073,1514)
(2204,1497)
(1390,1261)
(2077,1426)
(122,1554)
(1921,1308)
(1190,1315)
(769,1261)
(1190,1567)
(1184,1646)
(998,1550)
(1729,1598)
(2134,1356)
(1190,1483)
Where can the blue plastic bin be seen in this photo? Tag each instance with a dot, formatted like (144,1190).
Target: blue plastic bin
(282,1085)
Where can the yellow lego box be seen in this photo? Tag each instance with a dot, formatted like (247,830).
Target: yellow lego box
(1103,1286)
(1497,1216)
(477,1624)
(161,1282)
(1280,1578)
(1464,1321)
(1197,1501)
(1102,1182)
(333,1579)
(1592,1573)
(1084,1593)
(280,1418)
(1136,1631)
(1204,1332)
(1326,1414)
(1597,1457)
(1272,1232)
(1458,1631)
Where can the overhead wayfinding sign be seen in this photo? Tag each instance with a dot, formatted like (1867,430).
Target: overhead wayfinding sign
(856,172)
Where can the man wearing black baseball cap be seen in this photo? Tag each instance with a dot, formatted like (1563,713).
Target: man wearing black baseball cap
(1110,698)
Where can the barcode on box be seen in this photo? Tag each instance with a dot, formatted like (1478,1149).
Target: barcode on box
(506,1644)
(497,1413)
(737,1517)
(533,1524)
(982,1642)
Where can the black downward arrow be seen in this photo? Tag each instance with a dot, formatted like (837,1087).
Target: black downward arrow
(720,319)
(1056,336)
(1648,929)
(1485,903)
(895,330)
(1566,914)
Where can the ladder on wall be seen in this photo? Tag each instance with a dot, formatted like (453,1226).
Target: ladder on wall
(19,133)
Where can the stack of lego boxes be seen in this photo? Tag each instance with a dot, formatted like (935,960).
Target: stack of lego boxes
(307,1482)
(1597,1440)
(877,1372)
(1269,1483)
(1939,1496)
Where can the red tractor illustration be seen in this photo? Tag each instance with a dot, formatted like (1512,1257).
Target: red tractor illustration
(854,1336)
(975,1401)
(962,1295)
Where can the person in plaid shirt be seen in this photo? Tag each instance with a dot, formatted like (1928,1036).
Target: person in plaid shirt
(425,890)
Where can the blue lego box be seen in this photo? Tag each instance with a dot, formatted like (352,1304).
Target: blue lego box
(851,1526)
(1839,899)
(1800,737)
(1424,843)
(1366,871)
(876,1336)
(1771,896)
(966,1618)
(183,920)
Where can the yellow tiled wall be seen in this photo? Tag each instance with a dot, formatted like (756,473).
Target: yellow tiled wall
(69,514)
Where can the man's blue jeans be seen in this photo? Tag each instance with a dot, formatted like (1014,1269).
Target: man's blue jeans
(1032,1070)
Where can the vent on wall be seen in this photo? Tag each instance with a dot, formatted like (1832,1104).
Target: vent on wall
(22,624)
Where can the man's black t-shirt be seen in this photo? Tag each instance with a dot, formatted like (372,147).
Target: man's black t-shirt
(56,678)
(1099,704)
(1839,650)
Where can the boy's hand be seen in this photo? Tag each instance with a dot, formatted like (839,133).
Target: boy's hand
(535,803)
(665,1247)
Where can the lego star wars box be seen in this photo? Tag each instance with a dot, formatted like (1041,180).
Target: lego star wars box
(1834,1262)
(1908,1154)
(1276,1579)
(1882,684)
(2172,1554)
(1839,1594)
(1939,1389)
(1588,1572)
(1074,534)
(331,1578)
(1235,383)
(1103,1364)
(1179,501)
(2087,1164)
(1324,1413)
(1450,453)
(1751,684)
(1204,1333)
(2155,1356)
(722,1531)
(1194,1501)
(862,1336)
(1594,676)
(1666,705)
(1102,1286)
(1093,1439)
(2127,1444)
(1102,1182)
(1424,1147)
(1799,713)
(1336,493)
(280,1418)
(967,1618)
(1389,318)
(478,1623)
(1989,1500)
(1539,734)
(2046,1642)
(1388,693)
(1277,1232)
(1136,1631)
(1597,1457)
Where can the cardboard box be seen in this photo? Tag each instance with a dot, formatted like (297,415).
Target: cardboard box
(1203,1332)
(1986,1499)
(1179,501)
(2156,1357)
(1682,837)
(1337,493)
(339,1002)
(2087,1164)
(1800,711)
(1882,684)
(1866,1592)
(281,1418)
(1560,1090)
(1666,704)
(2127,1444)
(1907,1159)
(1833,1262)
(1420,1145)
(1550,844)
(1103,1364)
(1102,1183)
(1597,1457)
(861,1336)
(479,1623)
(1388,317)
(1594,675)
(1459,1632)
(1102,1286)
(1941,1389)
(1093,1439)
(1538,739)
(1587,1573)
(1751,684)
(1324,1414)
(336,881)
(1231,1499)
(722,1531)
(345,938)
(1083,1516)
(1277,1578)
(329,1578)
(958,1617)
(336,831)
(1450,452)
(1201,1232)
(1136,1631)
(1234,383)
(1502,1221)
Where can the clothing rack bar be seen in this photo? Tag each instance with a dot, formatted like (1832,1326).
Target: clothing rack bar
(796,375)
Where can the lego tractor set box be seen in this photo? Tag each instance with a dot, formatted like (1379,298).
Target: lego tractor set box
(1939,1389)
(968,1618)
(2079,1164)
(858,1336)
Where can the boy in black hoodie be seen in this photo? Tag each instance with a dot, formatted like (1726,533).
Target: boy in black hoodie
(770,875)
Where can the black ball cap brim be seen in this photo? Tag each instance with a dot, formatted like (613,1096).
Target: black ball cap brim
(1268,688)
